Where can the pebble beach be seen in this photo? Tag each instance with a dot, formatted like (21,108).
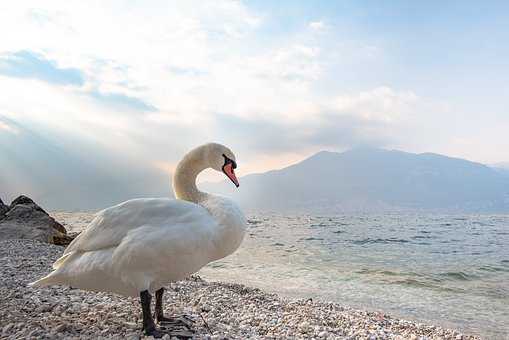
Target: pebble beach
(216,310)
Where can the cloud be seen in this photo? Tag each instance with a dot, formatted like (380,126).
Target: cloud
(317,25)
(290,63)
(8,128)
(347,120)
(187,71)
(379,104)
(28,64)
(121,101)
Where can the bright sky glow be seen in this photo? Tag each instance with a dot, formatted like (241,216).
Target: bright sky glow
(276,81)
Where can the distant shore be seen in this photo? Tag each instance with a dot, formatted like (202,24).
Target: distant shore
(219,310)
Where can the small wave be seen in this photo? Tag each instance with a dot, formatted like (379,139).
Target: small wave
(319,225)
(495,292)
(378,272)
(380,240)
(414,279)
(311,239)
(458,276)
(414,283)
(218,265)
(428,285)
(338,231)
(419,237)
(483,224)
(488,268)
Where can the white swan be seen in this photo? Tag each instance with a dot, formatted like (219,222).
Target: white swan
(139,246)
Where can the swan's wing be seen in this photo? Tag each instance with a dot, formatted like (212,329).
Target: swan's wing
(149,249)
(111,225)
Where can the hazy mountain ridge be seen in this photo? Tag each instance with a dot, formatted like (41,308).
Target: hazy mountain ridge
(370,179)
(502,168)
(63,177)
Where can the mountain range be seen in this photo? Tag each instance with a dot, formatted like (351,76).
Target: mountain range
(64,175)
(370,179)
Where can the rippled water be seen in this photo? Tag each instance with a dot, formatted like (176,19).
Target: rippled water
(447,270)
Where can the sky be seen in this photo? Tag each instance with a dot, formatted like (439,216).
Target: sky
(103,92)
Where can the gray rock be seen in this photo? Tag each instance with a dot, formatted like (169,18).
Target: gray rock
(3,209)
(26,220)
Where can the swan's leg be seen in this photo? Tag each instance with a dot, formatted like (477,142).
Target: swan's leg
(173,322)
(148,322)
(159,306)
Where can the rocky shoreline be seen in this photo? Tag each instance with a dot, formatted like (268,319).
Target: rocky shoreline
(217,310)
(24,219)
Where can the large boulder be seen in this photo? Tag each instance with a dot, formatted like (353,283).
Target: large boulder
(27,220)
(3,209)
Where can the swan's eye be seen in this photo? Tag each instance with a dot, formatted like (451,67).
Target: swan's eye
(229,161)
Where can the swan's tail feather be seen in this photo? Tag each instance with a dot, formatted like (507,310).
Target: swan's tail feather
(48,280)
(61,260)
(55,276)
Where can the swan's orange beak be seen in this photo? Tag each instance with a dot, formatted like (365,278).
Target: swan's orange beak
(228,171)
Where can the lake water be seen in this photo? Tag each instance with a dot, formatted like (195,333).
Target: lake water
(448,270)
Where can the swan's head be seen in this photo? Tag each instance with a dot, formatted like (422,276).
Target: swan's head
(222,159)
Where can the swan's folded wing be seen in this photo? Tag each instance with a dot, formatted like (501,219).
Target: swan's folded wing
(111,225)
(185,250)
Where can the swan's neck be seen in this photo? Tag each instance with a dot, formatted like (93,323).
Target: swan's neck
(184,178)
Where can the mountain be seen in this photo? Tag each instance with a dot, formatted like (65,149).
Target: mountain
(503,165)
(65,174)
(369,179)
(502,168)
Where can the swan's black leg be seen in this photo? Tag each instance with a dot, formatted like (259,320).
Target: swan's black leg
(159,306)
(148,322)
(159,314)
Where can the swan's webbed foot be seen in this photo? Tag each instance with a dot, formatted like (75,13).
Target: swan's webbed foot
(159,314)
(179,326)
(154,331)
(162,318)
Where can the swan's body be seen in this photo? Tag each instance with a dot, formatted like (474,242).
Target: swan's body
(143,244)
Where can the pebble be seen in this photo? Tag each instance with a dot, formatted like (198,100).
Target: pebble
(322,334)
(60,328)
(7,328)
